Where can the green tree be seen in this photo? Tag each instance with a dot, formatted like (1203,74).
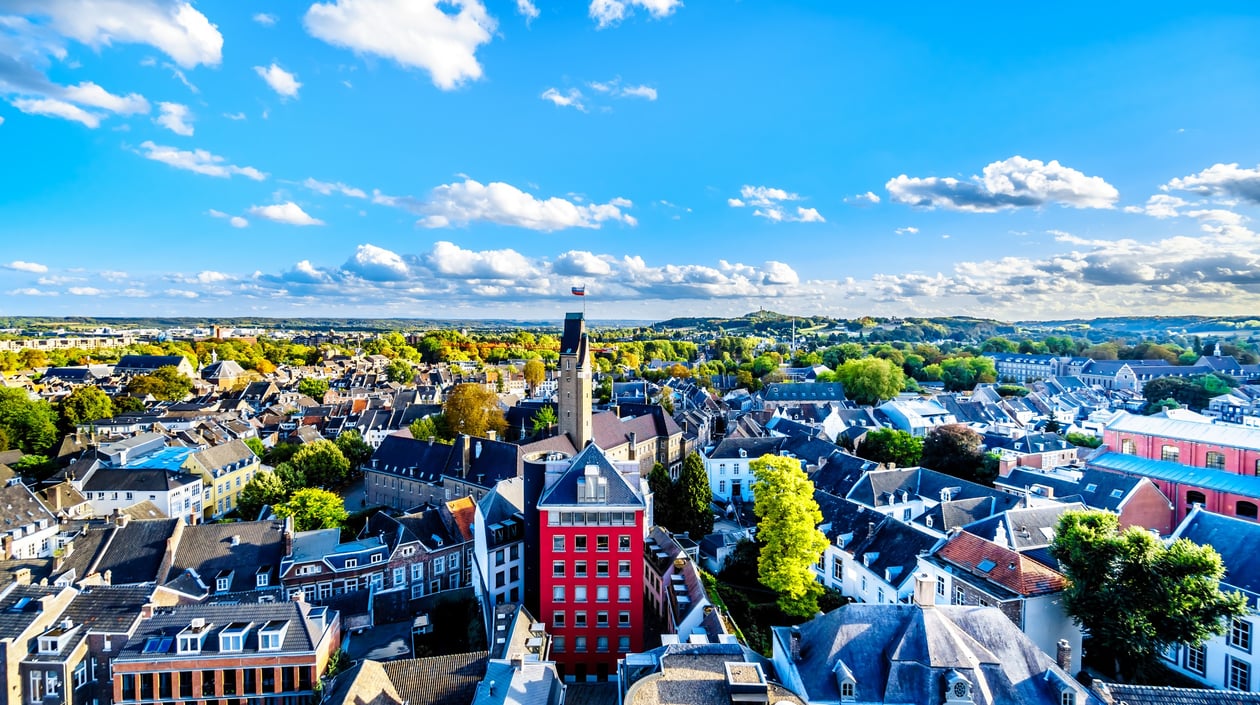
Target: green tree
(787,529)
(1082,440)
(313,508)
(313,387)
(166,383)
(432,426)
(663,496)
(256,445)
(871,380)
(321,463)
(29,424)
(84,404)
(264,488)
(128,405)
(400,371)
(891,446)
(535,374)
(473,409)
(694,497)
(281,453)
(964,373)
(544,418)
(1134,595)
(955,449)
(292,478)
(352,445)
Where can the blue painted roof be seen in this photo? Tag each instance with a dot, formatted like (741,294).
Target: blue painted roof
(1216,480)
(169,458)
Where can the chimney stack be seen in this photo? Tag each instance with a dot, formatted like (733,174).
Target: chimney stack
(492,434)
(924,591)
(870,529)
(634,446)
(21,576)
(1063,655)
(794,643)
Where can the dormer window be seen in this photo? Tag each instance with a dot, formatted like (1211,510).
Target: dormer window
(271,636)
(49,645)
(223,581)
(232,638)
(263,577)
(377,557)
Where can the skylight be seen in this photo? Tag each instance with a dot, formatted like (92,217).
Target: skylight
(985,565)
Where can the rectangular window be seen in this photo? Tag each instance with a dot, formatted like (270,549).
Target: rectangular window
(454,561)
(960,597)
(165,686)
(722,486)
(601,569)
(623,569)
(557,544)
(579,619)
(557,569)
(417,590)
(557,620)
(623,544)
(1196,659)
(400,576)
(1238,675)
(80,674)
(417,571)
(185,684)
(579,569)
(579,543)
(579,644)
(601,644)
(557,644)
(623,644)
(1240,634)
(207,683)
(623,619)
(601,593)
(439,565)
(623,593)
(601,619)
(557,593)
(601,543)
(579,593)
(1215,461)
(940,585)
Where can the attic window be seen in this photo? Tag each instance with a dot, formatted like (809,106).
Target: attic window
(1117,494)
(985,565)
(1091,487)
(232,638)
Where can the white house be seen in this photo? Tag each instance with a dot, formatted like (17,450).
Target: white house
(917,416)
(727,465)
(499,545)
(177,494)
(29,529)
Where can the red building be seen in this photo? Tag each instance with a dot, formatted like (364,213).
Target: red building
(1213,465)
(592,517)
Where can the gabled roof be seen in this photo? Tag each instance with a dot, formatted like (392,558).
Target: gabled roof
(735,448)
(879,488)
(1024,528)
(1163,695)
(1235,539)
(1098,489)
(438,680)
(209,550)
(1232,435)
(135,551)
(1002,566)
(891,549)
(803,392)
(564,491)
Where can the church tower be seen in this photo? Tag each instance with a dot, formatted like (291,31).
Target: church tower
(574,390)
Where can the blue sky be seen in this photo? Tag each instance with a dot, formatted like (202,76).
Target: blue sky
(465,160)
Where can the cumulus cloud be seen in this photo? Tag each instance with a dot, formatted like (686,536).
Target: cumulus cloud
(174,27)
(234,220)
(51,107)
(32,267)
(288,213)
(609,13)
(439,37)
(1159,206)
(377,264)
(450,260)
(769,203)
(580,263)
(282,82)
(211,277)
(1221,181)
(31,291)
(198,160)
(527,9)
(90,94)
(84,291)
(1010,183)
(639,92)
(328,188)
(265,19)
(176,118)
(570,99)
(469,201)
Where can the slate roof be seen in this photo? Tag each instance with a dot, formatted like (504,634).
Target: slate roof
(147,362)
(841,473)
(564,492)
(878,487)
(731,448)
(840,516)
(1235,539)
(135,551)
(111,609)
(1028,443)
(438,680)
(137,480)
(208,550)
(1218,480)
(695,674)
(1023,528)
(954,514)
(300,636)
(904,653)
(891,550)
(223,369)
(1163,695)
(1005,567)
(14,619)
(803,392)
(18,508)
(1104,485)
(364,684)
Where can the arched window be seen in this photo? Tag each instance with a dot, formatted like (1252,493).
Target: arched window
(1214,460)
(1170,453)
(1127,447)
(1245,510)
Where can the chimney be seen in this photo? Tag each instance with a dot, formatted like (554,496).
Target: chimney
(1063,655)
(146,610)
(634,446)
(924,591)
(870,529)
(8,547)
(492,434)
(21,576)
(465,451)
(518,662)
(288,539)
(794,643)
(432,439)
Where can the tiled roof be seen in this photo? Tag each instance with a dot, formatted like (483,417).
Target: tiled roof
(108,608)
(137,480)
(463,510)
(1235,539)
(438,680)
(365,684)
(18,508)
(135,551)
(221,456)
(208,549)
(1232,435)
(1162,695)
(1001,565)
(299,637)
(15,619)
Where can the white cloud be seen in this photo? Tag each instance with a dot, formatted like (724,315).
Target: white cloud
(32,267)
(234,116)
(199,161)
(571,99)
(238,222)
(377,264)
(181,293)
(768,203)
(608,13)
(908,230)
(327,188)
(31,291)
(211,277)
(639,92)
(288,213)
(469,201)
(1221,181)
(90,94)
(84,291)
(451,260)
(581,263)
(265,19)
(172,26)
(51,107)
(1159,206)
(176,118)
(281,81)
(415,33)
(861,199)
(1010,183)
(112,275)
(527,9)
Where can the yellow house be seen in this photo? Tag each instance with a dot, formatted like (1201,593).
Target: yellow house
(224,470)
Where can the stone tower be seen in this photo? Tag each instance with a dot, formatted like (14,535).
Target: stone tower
(574,391)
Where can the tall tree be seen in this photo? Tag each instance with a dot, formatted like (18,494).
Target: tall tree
(544,418)
(694,497)
(1134,595)
(787,529)
(433,426)
(321,463)
(313,387)
(400,371)
(264,488)
(30,425)
(166,383)
(955,449)
(256,445)
(891,446)
(352,445)
(871,380)
(473,409)
(313,508)
(535,373)
(663,497)
(84,404)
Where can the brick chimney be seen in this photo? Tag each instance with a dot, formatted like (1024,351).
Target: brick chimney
(21,576)
(1063,655)
(924,591)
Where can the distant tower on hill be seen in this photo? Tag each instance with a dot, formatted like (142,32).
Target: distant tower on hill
(574,390)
